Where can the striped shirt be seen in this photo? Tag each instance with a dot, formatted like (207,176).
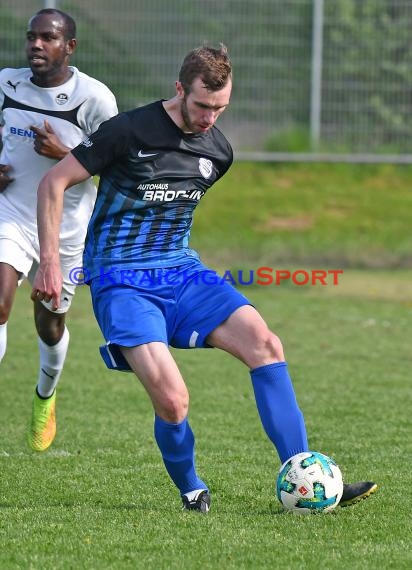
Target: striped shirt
(152,176)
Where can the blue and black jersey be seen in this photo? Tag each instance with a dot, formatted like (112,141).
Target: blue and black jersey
(152,176)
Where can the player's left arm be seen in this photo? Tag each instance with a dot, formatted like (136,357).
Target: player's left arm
(47,284)
(94,111)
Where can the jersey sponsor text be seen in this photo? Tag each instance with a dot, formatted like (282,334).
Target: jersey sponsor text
(22,132)
(170,195)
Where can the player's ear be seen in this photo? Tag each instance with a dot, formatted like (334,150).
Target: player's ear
(180,92)
(71,46)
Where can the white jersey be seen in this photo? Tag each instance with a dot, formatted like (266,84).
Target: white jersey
(74,110)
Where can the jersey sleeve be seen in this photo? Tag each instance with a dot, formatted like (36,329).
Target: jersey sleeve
(104,146)
(97,109)
(225,151)
(228,163)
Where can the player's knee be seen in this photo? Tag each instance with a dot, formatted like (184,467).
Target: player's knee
(268,349)
(174,408)
(4,312)
(50,335)
(275,347)
(50,328)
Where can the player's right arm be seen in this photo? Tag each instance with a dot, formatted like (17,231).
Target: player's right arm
(47,284)
(5,179)
(91,156)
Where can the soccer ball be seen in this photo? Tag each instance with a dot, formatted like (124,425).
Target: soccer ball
(309,482)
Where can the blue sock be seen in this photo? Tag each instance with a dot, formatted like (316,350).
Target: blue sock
(278,409)
(177,446)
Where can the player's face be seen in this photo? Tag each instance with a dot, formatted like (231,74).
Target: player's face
(47,49)
(201,108)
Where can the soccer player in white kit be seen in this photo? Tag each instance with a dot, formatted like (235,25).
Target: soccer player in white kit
(46,110)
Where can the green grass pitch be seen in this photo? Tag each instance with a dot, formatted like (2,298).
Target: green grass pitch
(100,497)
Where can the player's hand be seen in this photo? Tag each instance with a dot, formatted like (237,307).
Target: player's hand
(47,284)
(47,143)
(5,179)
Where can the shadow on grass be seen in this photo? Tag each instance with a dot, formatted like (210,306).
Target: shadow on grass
(272,510)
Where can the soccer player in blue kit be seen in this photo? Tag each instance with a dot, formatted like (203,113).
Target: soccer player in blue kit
(148,286)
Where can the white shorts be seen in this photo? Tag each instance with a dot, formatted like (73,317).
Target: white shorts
(20,249)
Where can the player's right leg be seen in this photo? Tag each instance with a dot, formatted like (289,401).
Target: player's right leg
(16,258)
(135,329)
(8,284)
(154,365)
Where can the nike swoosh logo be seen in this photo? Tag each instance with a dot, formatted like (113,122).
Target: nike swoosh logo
(141,154)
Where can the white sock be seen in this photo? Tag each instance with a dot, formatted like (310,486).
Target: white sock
(51,364)
(3,340)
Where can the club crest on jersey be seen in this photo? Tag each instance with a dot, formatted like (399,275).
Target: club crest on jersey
(205,167)
(87,143)
(62,98)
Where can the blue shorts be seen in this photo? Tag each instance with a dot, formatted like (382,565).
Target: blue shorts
(178,306)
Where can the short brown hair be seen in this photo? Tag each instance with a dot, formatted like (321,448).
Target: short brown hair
(212,65)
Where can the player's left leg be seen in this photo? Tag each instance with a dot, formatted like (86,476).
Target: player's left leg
(245,335)
(53,345)
(355,492)
(212,313)
(53,342)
